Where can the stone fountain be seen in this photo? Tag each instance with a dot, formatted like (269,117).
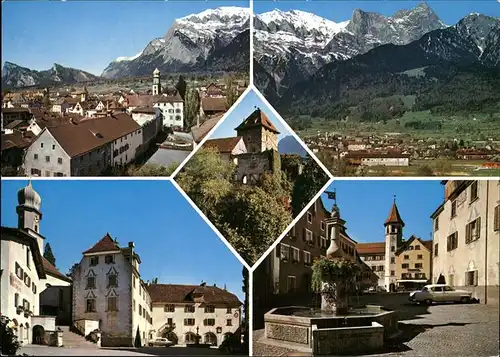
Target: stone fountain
(335,328)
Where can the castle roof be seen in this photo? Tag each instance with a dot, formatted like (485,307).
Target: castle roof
(223,145)
(257,119)
(394,216)
(106,244)
(370,248)
(173,293)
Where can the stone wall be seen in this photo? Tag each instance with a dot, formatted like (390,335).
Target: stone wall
(351,340)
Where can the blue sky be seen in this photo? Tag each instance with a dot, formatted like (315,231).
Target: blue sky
(241,112)
(449,11)
(174,242)
(365,205)
(88,35)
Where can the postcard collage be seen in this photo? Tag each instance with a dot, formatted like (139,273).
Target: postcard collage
(250,177)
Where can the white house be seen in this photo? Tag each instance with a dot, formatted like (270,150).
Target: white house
(466,234)
(181,312)
(172,108)
(25,273)
(109,295)
(61,106)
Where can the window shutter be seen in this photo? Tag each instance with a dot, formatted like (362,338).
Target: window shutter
(304,234)
(478,228)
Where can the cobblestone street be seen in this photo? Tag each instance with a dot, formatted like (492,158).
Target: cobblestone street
(438,330)
(35,350)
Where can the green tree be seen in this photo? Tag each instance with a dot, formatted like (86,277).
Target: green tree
(307,185)
(442,167)
(191,107)
(47,254)
(71,272)
(152,170)
(181,86)
(246,291)
(9,345)
(230,91)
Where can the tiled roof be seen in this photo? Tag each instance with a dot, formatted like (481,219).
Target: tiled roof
(106,244)
(15,110)
(210,104)
(224,145)
(376,154)
(394,216)
(168,99)
(370,248)
(52,270)
(144,110)
(17,139)
(201,131)
(171,293)
(77,139)
(15,123)
(256,119)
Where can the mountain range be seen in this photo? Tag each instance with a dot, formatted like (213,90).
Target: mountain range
(438,71)
(211,41)
(296,51)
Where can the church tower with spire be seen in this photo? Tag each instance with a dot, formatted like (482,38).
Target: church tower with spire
(156,82)
(393,240)
(29,214)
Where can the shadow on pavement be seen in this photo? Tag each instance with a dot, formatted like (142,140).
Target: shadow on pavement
(169,351)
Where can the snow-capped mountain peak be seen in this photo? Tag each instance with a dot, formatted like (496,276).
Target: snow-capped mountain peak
(220,13)
(121,59)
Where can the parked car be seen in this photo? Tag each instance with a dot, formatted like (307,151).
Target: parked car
(439,293)
(160,342)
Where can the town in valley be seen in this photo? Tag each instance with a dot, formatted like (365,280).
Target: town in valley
(141,115)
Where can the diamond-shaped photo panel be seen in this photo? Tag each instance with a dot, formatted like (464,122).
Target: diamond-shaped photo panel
(251,177)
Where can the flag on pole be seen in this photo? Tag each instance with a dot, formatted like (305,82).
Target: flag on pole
(331,195)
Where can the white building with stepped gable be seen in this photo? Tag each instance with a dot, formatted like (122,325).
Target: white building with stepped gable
(25,274)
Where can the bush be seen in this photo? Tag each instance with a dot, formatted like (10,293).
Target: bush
(8,340)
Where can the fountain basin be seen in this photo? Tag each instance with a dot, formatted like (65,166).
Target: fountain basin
(323,333)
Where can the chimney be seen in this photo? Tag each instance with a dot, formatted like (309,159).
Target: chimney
(131,244)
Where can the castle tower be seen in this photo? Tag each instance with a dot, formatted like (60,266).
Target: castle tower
(393,240)
(156,82)
(29,214)
(258,132)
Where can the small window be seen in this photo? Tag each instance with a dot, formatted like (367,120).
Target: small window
(189,322)
(496,219)
(112,303)
(169,308)
(47,158)
(393,273)
(473,191)
(407,257)
(229,310)
(436,223)
(322,226)
(471,278)
(91,305)
(189,308)
(59,160)
(90,282)
(16,300)
(41,145)
(453,209)
(420,256)
(417,247)
(109,259)
(309,217)
(209,309)
(405,266)
(436,250)
(393,260)
(473,230)
(452,242)
(35,156)
(393,248)
(418,265)
(53,147)
(229,322)
(112,281)
(94,261)
(33,288)
(209,322)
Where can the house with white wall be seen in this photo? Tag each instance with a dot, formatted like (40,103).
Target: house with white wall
(26,274)
(181,312)
(109,295)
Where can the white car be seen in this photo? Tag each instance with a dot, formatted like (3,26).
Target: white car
(440,293)
(160,342)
